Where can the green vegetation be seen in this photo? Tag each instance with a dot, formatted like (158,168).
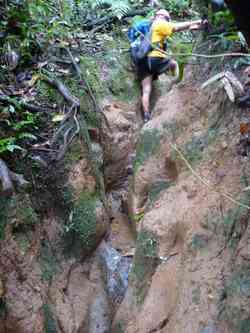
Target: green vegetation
(239,283)
(119,328)
(177,8)
(173,129)
(197,148)
(3,309)
(148,145)
(50,323)
(83,223)
(91,68)
(196,295)
(4,204)
(234,305)
(121,82)
(156,189)
(74,154)
(145,263)
(233,222)
(244,326)
(18,127)
(25,212)
(48,262)
(198,242)
(118,8)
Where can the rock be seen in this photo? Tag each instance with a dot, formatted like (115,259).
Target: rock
(116,269)
(224,145)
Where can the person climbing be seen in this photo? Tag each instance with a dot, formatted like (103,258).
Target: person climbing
(157,62)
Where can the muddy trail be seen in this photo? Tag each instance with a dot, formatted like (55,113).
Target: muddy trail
(165,241)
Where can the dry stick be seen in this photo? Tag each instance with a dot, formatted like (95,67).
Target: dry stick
(206,182)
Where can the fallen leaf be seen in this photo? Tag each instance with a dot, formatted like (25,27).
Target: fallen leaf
(58,117)
(244,128)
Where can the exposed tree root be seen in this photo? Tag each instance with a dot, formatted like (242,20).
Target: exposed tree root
(29,107)
(7,179)
(63,90)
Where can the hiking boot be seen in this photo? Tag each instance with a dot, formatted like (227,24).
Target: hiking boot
(146,117)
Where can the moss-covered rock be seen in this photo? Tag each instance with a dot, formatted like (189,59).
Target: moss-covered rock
(145,263)
(148,145)
(88,222)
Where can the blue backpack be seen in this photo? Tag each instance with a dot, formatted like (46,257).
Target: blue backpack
(139,36)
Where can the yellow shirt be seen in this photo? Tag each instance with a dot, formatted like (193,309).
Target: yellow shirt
(161,29)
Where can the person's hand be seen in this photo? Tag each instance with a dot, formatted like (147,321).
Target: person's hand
(205,25)
(204,22)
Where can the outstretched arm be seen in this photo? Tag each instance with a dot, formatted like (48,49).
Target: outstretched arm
(190,25)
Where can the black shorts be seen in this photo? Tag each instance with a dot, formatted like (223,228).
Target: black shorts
(152,66)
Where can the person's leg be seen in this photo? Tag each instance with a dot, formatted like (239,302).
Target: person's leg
(174,69)
(146,92)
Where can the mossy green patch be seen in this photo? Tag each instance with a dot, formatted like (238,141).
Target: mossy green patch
(4,204)
(26,214)
(195,149)
(3,309)
(148,145)
(235,304)
(91,70)
(239,284)
(119,328)
(49,320)
(82,227)
(121,81)
(156,189)
(244,326)
(74,154)
(196,295)
(48,262)
(173,129)
(23,241)
(234,221)
(198,242)
(145,263)
(47,94)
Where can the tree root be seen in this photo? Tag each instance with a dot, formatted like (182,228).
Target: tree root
(62,89)
(29,107)
(8,177)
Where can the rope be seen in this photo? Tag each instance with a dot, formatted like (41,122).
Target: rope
(219,55)
(205,181)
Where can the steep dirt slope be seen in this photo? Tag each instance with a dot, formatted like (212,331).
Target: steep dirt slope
(191,271)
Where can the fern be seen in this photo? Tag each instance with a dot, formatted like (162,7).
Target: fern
(119,8)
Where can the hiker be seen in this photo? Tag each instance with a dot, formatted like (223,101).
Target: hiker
(157,62)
